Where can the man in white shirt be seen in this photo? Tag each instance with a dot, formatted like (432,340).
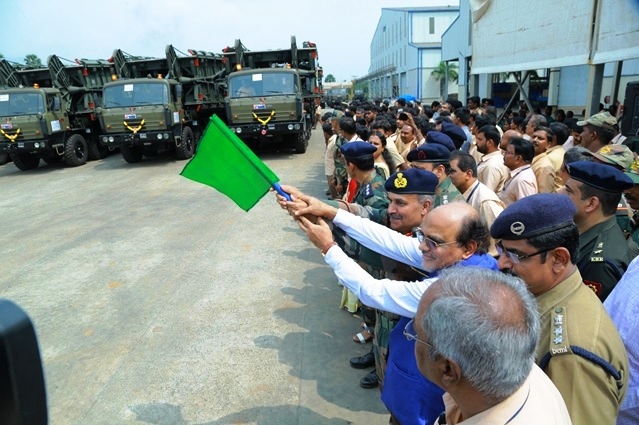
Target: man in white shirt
(491,170)
(522,181)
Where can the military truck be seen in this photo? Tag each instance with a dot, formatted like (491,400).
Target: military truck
(156,105)
(272,94)
(48,112)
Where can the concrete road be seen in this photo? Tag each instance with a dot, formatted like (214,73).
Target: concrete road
(158,301)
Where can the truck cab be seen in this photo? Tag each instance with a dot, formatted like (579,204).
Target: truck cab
(272,94)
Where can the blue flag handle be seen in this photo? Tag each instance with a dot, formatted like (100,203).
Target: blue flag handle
(279,190)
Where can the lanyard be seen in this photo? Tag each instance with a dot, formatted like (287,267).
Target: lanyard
(472,192)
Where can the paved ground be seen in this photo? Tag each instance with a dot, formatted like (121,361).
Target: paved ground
(158,301)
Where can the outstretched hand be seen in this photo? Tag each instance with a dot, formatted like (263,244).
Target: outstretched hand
(319,233)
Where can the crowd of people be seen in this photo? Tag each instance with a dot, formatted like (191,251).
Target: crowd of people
(493,260)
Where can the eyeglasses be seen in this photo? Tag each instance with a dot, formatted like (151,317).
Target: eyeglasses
(516,258)
(410,334)
(421,237)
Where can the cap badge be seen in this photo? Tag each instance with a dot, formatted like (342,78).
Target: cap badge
(517,228)
(400,181)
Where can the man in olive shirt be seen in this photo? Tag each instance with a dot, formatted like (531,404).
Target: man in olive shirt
(595,189)
(579,347)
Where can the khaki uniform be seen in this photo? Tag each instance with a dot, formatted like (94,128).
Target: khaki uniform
(573,320)
(544,173)
(603,256)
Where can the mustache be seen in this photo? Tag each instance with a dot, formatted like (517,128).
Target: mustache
(509,272)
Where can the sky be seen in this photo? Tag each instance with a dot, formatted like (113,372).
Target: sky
(85,29)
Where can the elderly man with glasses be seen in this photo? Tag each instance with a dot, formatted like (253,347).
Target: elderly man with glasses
(579,347)
(476,331)
(452,234)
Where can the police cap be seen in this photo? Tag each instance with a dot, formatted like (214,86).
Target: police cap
(357,150)
(455,133)
(441,139)
(534,215)
(429,152)
(600,176)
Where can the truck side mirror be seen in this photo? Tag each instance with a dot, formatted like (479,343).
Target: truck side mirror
(23,398)
(178,91)
(57,105)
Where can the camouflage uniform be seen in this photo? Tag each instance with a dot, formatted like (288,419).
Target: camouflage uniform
(630,228)
(446,192)
(340,176)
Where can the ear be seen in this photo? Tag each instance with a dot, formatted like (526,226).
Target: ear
(426,207)
(560,258)
(449,371)
(469,248)
(592,204)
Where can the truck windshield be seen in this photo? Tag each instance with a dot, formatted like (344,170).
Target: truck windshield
(262,84)
(12,104)
(135,94)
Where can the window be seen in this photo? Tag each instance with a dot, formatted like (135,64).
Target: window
(431,25)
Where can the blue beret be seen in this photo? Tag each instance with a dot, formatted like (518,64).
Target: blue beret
(441,139)
(429,152)
(357,150)
(413,180)
(600,176)
(456,134)
(534,215)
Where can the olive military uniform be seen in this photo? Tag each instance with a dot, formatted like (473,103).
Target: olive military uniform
(446,192)
(603,256)
(574,326)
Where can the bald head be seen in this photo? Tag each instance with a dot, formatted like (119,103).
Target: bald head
(508,134)
(466,222)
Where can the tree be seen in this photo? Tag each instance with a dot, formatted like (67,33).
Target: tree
(439,74)
(33,61)
(330,78)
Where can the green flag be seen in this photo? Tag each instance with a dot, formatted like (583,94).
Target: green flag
(225,163)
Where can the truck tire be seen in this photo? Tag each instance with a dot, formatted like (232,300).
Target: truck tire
(76,152)
(131,154)
(52,159)
(301,143)
(186,148)
(97,150)
(24,161)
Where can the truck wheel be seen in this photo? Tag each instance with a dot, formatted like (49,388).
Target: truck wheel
(96,150)
(24,161)
(131,154)
(187,146)
(301,143)
(52,159)
(76,151)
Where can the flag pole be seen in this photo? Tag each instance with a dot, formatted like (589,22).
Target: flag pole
(279,190)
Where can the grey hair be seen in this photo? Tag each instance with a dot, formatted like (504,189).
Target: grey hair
(423,198)
(469,322)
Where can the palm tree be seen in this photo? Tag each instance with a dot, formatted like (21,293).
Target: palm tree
(32,61)
(443,73)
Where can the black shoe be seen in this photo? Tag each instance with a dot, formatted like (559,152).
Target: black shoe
(363,362)
(369,381)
